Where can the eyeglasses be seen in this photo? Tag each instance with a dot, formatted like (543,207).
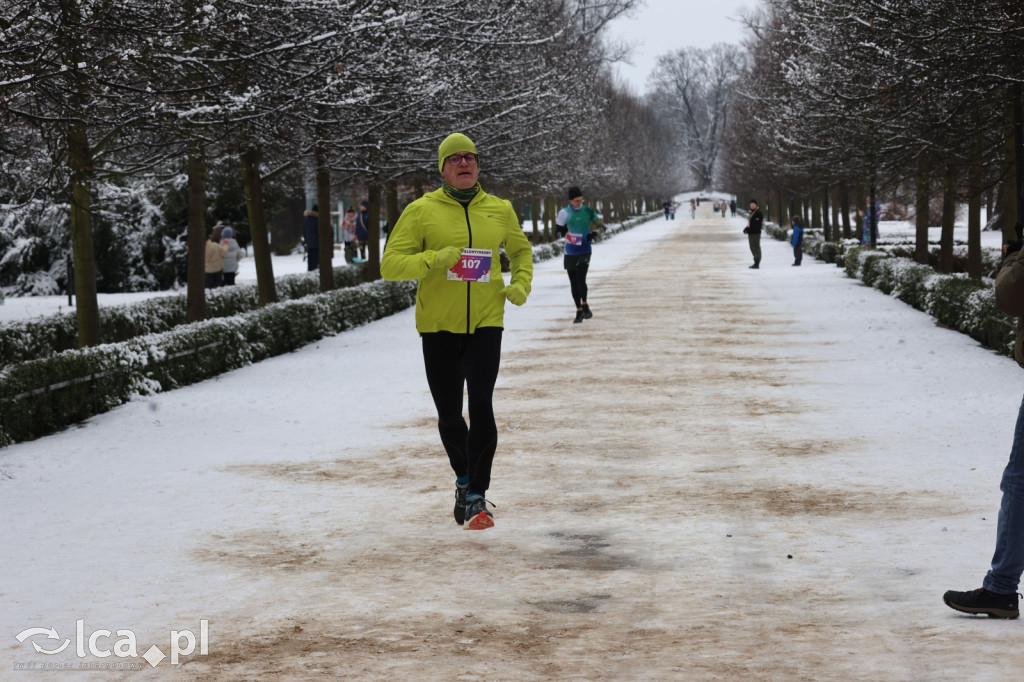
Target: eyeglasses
(458,159)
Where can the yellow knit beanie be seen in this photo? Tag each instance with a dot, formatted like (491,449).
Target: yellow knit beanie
(453,144)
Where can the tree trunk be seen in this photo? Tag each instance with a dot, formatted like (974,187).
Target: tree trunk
(844,209)
(372,272)
(196,237)
(816,211)
(80,167)
(836,231)
(87,309)
(948,219)
(549,219)
(253,185)
(922,188)
(974,211)
(534,211)
(1018,152)
(974,235)
(826,225)
(325,231)
(391,202)
(873,215)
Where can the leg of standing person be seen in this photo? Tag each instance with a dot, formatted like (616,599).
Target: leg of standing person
(997,597)
(453,361)
(229,279)
(754,239)
(1008,558)
(312,258)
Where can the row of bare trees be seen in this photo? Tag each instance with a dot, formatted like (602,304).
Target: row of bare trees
(351,92)
(858,98)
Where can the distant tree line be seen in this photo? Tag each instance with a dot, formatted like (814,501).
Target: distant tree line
(845,100)
(127,126)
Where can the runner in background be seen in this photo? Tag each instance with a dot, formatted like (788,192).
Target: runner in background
(581,225)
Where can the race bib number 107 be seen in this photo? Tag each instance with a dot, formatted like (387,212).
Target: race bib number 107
(474,266)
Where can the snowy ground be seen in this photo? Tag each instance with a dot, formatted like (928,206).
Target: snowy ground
(726,474)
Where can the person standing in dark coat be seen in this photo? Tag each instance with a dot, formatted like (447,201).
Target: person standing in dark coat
(311,235)
(753,231)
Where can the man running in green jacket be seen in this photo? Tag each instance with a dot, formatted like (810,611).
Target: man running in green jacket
(448,239)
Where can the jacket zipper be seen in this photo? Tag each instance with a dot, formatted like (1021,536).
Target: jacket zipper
(469,228)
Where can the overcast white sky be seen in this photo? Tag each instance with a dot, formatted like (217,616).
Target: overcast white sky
(662,26)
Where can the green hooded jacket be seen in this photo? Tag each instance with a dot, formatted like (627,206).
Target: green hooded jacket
(435,221)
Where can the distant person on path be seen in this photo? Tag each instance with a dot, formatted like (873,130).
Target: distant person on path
(348,235)
(311,236)
(582,224)
(732,208)
(997,596)
(797,240)
(667,205)
(693,209)
(231,258)
(363,227)
(753,231)
(448,240)
(215,252)
(721,208)
(865,230)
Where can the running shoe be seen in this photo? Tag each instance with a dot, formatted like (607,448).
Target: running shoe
(460,503)
(477,515)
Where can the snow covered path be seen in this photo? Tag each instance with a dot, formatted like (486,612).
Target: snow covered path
(726,474)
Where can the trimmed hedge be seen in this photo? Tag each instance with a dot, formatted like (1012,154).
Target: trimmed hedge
(37,338)
(955,301)
(39,398)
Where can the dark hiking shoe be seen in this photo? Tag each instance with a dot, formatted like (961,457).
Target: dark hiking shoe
(981,601)
(586,312)
(477,515)
(755,266)
(460,504)
(579,317)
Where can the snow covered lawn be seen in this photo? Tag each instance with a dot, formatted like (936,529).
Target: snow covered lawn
(725,474)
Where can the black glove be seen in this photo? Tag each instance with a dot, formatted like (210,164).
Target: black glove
(593,235)
(561,230)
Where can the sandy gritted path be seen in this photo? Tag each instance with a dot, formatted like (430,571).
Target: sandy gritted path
(685,490)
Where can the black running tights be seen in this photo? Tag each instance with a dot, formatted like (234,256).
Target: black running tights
(578,283)
(454,361)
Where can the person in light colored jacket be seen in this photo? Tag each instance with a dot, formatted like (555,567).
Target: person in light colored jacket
(997,596)
(232,257)
(449,240)
(215,252)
